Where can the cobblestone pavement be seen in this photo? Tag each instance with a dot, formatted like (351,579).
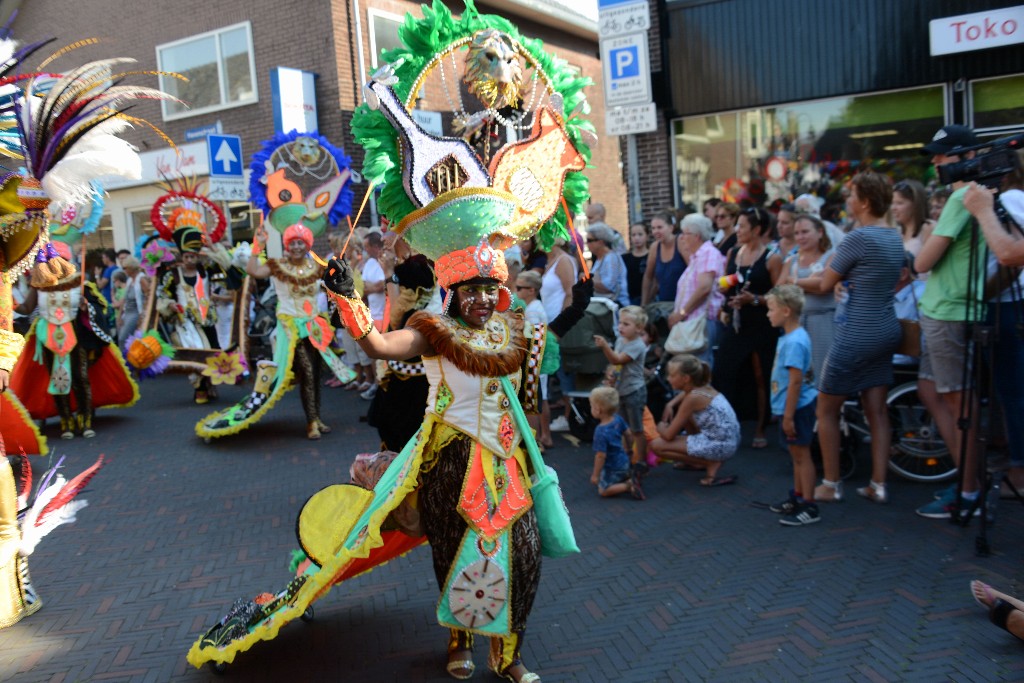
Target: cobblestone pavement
(695,584)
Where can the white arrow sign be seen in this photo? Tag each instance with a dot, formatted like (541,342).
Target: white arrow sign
(226,156)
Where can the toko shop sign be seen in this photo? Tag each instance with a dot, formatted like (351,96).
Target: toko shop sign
(977,31)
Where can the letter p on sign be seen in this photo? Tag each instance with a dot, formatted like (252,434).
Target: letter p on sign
(625,62)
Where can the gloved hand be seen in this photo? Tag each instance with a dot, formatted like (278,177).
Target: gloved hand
(573,313)
(582,292)
(338,278)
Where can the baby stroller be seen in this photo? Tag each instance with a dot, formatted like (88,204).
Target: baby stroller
(264,320)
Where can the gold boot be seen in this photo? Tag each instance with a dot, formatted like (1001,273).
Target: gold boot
(313,431)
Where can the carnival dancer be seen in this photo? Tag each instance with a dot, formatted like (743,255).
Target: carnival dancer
(470,463)
(183,309)
(303,338)
(61,139)
(72,351)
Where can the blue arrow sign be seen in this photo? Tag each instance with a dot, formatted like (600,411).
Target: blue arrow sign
(225,155)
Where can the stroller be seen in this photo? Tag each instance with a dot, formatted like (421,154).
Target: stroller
(263,322)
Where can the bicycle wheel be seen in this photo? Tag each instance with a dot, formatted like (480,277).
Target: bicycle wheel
(918,452)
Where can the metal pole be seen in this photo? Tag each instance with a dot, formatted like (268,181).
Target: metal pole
(636,211)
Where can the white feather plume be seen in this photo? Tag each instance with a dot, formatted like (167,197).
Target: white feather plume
(99,153)
(32,534)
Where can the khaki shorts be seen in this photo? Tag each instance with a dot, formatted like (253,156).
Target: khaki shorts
(944,354)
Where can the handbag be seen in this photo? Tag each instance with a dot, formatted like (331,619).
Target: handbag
(910,342)
(556,535)
(687,336)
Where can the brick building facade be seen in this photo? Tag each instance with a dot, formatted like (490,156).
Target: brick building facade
(325,38)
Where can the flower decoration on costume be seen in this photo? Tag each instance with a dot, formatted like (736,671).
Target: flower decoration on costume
(301,178)
(154,255)
(224,368)
(148,354)
(444,192)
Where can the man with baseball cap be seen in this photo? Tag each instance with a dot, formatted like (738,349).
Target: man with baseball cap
(948,300)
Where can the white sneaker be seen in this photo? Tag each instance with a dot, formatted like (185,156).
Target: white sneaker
(560,424)
(369,393)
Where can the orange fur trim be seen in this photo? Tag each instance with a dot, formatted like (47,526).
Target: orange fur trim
(474,361)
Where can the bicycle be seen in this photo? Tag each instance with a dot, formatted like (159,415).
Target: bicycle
(918,452)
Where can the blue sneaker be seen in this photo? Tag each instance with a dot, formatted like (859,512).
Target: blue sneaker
(942,508)
(946,493)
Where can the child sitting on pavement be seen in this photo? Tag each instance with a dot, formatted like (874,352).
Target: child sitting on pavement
(629,352)
(793,398)
(704,430)
(611,464)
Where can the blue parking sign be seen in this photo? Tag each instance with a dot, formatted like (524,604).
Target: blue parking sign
(225,155)
(625,62)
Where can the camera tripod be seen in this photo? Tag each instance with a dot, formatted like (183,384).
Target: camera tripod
(983,333)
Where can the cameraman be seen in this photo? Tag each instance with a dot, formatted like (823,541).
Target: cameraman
(1007,246)
(948,299)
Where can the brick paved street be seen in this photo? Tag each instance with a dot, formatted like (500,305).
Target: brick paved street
(694,584)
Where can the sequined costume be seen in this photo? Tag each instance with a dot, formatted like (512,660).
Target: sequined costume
(303,336)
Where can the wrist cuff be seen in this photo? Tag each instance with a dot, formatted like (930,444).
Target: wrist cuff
(354,314)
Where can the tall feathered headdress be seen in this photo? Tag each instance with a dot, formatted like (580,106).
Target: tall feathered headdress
(66,128)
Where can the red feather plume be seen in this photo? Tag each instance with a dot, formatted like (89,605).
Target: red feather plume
(69,491)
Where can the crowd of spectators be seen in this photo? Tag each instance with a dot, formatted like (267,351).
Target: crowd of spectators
(899,251)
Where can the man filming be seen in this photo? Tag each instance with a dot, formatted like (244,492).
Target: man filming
(1006,242)
(950,300)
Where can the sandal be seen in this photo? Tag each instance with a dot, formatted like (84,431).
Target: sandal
(461,667)
(998,615)
(985,590)
(313,431)
(324,429)
(829,491)
(875,492)
(526,677)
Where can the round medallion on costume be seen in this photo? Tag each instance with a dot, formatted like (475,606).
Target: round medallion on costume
(60,378)
(478,593)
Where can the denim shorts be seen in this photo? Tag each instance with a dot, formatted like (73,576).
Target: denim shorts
(803,420)
(611,477)
(631,406)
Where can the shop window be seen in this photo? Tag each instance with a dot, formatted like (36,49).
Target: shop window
(220,67)
(102,237)
(998,103)
(771,154)
(140,225)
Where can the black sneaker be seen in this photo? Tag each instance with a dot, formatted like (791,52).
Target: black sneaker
(785,507)
(802,515)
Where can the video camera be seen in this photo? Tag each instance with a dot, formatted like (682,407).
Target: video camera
(986,169)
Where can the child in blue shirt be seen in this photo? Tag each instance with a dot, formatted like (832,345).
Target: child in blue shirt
(611,464)
(793,399)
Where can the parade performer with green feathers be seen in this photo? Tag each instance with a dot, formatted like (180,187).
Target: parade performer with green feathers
(471,482)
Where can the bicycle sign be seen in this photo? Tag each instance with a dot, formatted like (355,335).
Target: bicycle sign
(618,20)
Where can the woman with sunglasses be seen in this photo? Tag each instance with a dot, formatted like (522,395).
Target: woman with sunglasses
(726,216)
(469,447)
(746,333)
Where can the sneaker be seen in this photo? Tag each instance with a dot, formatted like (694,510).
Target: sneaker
(947,493)
(786,507)
(942,508)
(560,424)
(369,393)
(88,433)
(801,516)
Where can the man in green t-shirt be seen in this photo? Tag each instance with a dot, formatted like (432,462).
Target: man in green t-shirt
(948,303)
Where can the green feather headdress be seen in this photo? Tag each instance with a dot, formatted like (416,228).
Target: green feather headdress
(426,41)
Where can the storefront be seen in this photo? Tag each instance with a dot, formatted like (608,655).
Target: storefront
(769,100)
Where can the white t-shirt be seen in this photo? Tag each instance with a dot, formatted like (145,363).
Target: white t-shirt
(535,313)
(372,272)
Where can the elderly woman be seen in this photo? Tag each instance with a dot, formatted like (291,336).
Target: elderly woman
(868,264)
(472,474)
(609,271)
(134,299)
(696,291)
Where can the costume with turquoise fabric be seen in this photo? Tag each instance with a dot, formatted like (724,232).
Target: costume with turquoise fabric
(464,482)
